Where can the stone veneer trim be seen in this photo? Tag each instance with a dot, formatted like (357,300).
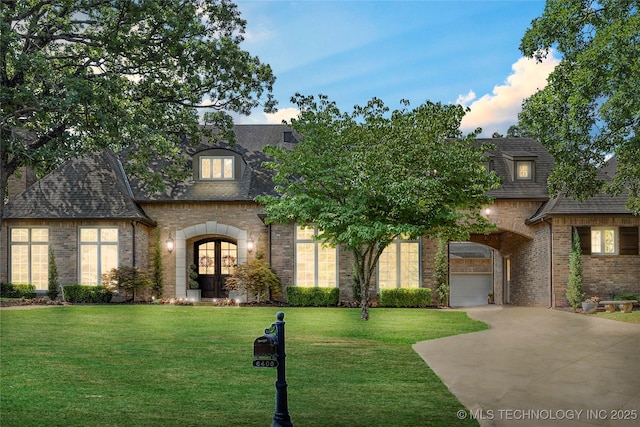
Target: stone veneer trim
(209,227)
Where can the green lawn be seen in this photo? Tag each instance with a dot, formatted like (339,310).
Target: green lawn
(633,317)
(191,366)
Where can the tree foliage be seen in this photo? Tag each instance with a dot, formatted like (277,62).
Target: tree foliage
(367,177)
(127,279)
(255,278)
(590,108)
(79,75)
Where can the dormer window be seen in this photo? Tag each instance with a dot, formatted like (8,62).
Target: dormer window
(524,170)
(217,167)
(521,165)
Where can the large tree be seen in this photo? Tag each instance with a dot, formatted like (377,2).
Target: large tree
(368,177)
(80,75)
(590,109)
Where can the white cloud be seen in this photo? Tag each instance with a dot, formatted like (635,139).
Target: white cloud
(499,110)
(464,100)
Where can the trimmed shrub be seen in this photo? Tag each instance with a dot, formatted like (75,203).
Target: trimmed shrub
(621,297)
(17,290)
(82,294)
(574,284)
(53,276)
(404,297)
(300,296)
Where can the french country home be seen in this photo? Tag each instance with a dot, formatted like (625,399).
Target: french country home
(96,217)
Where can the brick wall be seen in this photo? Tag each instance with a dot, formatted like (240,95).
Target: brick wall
(63,237)
(603,275)
(171,217)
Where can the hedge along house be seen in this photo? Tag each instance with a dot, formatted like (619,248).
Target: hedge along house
(96,217)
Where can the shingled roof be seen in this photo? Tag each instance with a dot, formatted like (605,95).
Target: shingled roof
(89,187)
(508,150)
(96,186)
(254,181)
(600,204)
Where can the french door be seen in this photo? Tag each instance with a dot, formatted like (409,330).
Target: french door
(215,259)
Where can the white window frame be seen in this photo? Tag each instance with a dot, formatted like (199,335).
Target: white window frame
(318,247)
(601,249)
(212,160)
(396,246)
(29,243)
(100,245)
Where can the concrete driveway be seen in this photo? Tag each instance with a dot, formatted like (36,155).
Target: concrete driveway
(542,367)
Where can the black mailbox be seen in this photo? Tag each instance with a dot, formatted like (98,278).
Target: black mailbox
(265,346)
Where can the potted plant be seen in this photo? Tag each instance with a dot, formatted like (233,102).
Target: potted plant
(590,305)
(193,293)
(490,298)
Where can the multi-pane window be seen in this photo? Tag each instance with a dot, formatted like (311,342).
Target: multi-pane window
(399,265)
(216,167)
(524,170)
(603,240)
(316,262)
(207,256)
(98,253)
(30,256)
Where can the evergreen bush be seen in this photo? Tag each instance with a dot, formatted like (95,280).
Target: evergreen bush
(441,273)
(301,296)
(17,290)
(53,276)
(405,297)
(158,276)
(81,294)
(575,293)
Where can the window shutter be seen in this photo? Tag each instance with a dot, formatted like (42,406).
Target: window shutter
(584,233)
(628,240)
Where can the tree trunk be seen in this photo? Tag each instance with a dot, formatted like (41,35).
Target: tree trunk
(365,261)
(364,305)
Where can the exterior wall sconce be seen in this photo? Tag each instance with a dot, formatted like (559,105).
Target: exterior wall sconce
(250,245)
(170,244)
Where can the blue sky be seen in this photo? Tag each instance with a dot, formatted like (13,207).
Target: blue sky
(449,51)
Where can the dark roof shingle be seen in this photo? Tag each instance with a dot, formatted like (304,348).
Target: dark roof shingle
(88,187)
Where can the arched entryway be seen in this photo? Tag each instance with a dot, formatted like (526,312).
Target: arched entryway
(209,228)
(214,258)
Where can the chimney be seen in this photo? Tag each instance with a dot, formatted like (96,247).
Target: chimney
(22,179)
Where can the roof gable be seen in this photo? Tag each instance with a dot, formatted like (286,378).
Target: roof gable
(88,187)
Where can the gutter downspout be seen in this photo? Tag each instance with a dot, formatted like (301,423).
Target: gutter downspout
(133,226)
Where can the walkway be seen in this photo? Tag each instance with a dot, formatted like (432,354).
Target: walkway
(542,367)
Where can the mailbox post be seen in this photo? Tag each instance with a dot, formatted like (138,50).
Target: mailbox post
(269,352)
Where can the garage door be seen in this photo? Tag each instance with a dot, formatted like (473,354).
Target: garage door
(469,289)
